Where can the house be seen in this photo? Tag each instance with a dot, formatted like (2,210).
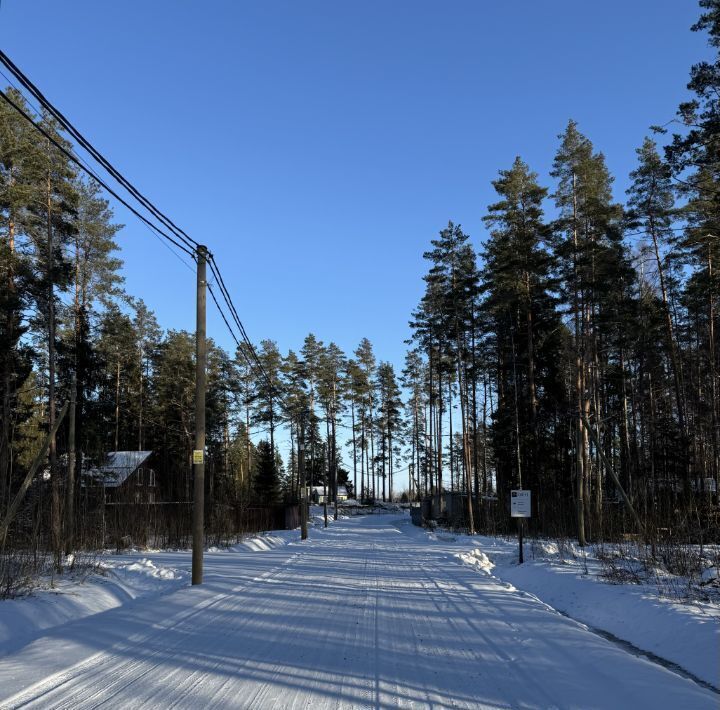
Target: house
(317,494)
(125,476)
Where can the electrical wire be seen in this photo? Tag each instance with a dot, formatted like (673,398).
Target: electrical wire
(88,170)
(92,174)
(180,238)
(75,133)
(215,269)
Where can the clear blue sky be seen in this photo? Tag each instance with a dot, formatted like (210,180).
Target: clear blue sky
(317,147)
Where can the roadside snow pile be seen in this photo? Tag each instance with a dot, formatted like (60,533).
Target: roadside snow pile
(142,576)
(266,541)
(477,558)
(387,507)
(711,576)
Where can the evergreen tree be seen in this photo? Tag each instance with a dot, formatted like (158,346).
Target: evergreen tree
(331,364)
(388,423)
(173,411)
(445,324)
(18,190)
(694,158)
(596,279)
(413,380)
(267,396)
(365,359)
(650,209)
(522,317)
(51,226)
(267,480)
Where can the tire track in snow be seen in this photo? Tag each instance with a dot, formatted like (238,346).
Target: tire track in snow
(101,664)
(398,621)
(515,674)
(365,617)
(363,637)
(263,667)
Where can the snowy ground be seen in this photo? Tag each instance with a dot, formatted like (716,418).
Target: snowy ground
(686,634)
(371,612)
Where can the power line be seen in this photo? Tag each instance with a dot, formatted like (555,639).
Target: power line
(181,239)
(89,170)
(92,174)
(215,269)
(220,310)
(25,81)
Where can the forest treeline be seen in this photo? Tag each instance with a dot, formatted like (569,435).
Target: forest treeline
(581,348)
(575,355)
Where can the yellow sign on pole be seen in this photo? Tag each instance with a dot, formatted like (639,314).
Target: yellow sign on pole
(198,456)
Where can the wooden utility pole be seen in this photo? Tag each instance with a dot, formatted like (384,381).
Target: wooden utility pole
(334,459)
(199,451)
(56,524)
(70,487)
(301,477)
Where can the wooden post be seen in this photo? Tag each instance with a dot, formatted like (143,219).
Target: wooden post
(301,476)
(70,488)
(198,525)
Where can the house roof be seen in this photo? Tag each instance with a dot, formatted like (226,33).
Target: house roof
(118,466)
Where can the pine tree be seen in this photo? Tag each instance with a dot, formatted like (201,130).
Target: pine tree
(19,153)
(311,353)
(650,206)
(148,335)
(51,227)
(388,423)
(267,395)
(329,388)
(694,158)
(596,278)
(296,407)
(413,380)
(267,481)
(245,398)
(365,359)
(173,410)
(444,324)
(521,312)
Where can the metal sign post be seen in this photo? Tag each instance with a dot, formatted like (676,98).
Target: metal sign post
(520,508)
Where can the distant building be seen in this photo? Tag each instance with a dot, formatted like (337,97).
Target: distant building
(126,476)
(317,494)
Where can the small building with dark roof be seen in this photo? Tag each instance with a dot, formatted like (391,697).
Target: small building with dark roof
(125,476)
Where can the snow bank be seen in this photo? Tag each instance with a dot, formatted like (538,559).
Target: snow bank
(112,581)
(477,558)
(116,581)
(686,634)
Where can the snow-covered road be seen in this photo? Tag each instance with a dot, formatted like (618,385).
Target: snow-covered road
(368,613)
